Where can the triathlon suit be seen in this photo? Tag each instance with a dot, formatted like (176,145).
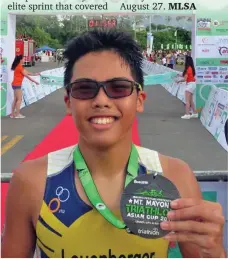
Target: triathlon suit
(18,77)
(68,227)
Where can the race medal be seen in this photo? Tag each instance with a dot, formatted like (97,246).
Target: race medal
(145,203)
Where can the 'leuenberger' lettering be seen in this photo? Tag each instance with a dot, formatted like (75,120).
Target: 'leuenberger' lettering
(110,254)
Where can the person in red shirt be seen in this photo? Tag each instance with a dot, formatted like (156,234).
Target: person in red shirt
(19,74)
(189,78)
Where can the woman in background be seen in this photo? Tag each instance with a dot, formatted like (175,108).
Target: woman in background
(19,74)
(189,78)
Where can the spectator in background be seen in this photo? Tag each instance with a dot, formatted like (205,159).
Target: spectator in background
(189,78)
(150,58)
(172,61)
(164,60)
(19,74)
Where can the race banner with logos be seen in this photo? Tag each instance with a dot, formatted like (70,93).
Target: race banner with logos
(215,114)
(211,55)
(3,84)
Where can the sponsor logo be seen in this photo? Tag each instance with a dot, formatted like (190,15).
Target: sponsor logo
(217,23)
(140,182)
(201,68)
(223,51)
(206,62)
(204,24)
(63,195)
(212,68)
(222,41)
(207,76)
(205,50)
(205,40)
(225,81)
(149,232)
(215,76)
(223,68)
(223,61)
(214,73)
(200,76)
(207,81)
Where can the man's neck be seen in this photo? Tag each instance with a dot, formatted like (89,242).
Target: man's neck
(106,163)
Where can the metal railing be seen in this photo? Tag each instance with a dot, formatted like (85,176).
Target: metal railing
(201,176)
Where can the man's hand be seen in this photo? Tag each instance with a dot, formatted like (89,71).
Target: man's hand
(199,222)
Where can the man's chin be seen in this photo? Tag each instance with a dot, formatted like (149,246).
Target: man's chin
(101,142)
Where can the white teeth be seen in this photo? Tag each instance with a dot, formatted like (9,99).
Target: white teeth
(102,120)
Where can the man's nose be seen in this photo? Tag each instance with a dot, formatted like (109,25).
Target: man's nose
(101,99)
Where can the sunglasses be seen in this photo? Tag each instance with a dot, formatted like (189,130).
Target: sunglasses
(115,88)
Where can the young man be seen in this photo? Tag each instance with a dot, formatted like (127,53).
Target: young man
(47,207)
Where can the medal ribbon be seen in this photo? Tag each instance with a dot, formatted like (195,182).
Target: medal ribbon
(90,187)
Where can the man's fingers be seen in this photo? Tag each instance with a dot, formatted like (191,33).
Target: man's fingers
(197,212)
(191,226)
(188,202)
(204,241)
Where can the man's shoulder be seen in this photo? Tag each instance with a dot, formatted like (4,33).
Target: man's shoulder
(173,165)
(180,173)
(37,169)
(175,169)
(31,171)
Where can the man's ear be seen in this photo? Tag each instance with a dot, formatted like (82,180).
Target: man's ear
(140,101)
(68,104)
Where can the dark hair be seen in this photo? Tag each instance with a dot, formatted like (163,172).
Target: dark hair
(16,61)
(189,63)
(100,40)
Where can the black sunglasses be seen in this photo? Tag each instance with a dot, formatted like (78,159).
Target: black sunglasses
(115,88)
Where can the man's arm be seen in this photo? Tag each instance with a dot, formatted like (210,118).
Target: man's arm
(19,236)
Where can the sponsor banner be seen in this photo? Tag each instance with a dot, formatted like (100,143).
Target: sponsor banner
(181,92)
(203,91)
(3,98)
(51,82)
(3,78)
(212,25)
(215,114)
(159,79)
(212,46)
(4,25)
(212,62)
(28,93)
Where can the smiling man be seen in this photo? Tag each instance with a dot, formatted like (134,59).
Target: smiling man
(50,205)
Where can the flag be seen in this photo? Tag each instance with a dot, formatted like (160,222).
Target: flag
(175,33)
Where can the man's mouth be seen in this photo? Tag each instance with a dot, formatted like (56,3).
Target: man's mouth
(103,120)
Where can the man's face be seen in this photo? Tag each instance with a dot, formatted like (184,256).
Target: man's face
(103,121)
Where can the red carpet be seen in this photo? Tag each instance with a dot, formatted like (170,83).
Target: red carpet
(63,135)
